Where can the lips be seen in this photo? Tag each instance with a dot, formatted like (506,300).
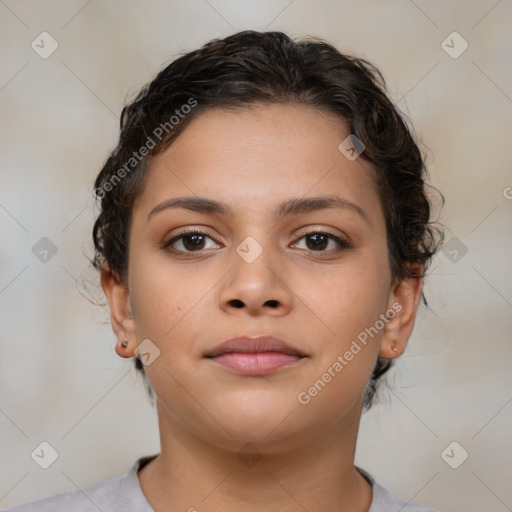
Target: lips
(255,355)
(252,345)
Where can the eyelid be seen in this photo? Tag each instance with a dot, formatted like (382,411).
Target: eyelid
(188,231)
(345,239)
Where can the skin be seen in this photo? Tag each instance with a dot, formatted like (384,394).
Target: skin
(187,303)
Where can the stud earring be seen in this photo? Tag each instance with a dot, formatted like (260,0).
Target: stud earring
(124,343)
(393,349)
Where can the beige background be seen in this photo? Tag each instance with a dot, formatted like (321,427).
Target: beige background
(61,381)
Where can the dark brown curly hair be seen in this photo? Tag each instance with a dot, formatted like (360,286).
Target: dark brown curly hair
(249,68)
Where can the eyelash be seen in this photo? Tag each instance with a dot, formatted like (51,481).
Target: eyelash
(342,243)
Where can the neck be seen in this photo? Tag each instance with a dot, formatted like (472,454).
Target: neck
(192,474)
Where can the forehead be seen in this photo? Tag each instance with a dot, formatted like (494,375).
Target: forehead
(265,129)
(259,156)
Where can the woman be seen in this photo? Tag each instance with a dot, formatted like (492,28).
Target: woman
(263,235)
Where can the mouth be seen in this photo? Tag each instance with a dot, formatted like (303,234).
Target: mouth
(255,356)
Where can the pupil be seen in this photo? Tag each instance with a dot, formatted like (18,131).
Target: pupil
(315,245)
(194,244)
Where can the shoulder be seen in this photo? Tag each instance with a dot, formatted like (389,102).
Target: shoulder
(118,493)
(88,499)
(385,501)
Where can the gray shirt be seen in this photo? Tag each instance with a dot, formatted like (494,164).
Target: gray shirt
(124,494)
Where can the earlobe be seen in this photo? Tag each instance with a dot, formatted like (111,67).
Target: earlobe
(125,349)
(121,316)
(404,300)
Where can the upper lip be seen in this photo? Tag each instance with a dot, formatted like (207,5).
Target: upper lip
(252,344)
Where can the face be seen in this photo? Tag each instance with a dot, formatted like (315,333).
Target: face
(267,262)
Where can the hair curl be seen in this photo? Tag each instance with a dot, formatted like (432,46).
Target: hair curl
(249,68)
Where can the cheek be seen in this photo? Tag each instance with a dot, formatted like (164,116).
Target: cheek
(346,346)
(161,296)
(349,302)
(352,297)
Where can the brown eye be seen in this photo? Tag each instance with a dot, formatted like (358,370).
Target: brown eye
(318,241)
(191,241)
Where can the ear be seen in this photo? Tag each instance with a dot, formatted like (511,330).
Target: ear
(402,307)
(121,316)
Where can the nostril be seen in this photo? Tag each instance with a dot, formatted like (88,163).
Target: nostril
(237,303)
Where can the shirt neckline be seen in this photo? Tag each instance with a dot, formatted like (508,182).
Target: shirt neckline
(133,483)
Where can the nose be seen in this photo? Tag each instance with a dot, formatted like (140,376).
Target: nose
(257,288)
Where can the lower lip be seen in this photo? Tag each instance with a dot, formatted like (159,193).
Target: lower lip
(257,363)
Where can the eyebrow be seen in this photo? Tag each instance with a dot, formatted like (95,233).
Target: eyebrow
(291,206)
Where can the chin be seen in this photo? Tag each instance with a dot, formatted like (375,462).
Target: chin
(255,417)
